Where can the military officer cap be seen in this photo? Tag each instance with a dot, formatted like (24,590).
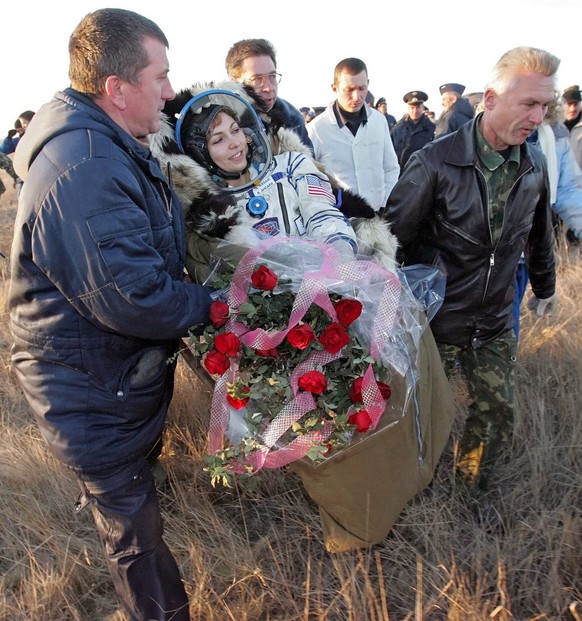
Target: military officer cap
(451,86)
(415,98)
(572,94)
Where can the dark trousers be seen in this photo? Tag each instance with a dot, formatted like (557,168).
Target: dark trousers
(125,507)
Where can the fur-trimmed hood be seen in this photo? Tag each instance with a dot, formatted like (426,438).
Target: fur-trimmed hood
(212,211)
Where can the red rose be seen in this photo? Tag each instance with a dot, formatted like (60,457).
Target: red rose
(237,404)
(313,382)
(361,420)
(227,343)
(216,363)
(325,449)
(385,390)
(301,336)
(268,353)
(264,278)
(348,311)
(356,390)
(219,312)
(334,337)
(239,398)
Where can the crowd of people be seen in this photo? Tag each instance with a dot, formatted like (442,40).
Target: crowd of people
(99,297)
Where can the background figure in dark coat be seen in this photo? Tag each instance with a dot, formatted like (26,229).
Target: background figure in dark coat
(413,130)
(382,107)
(457,110)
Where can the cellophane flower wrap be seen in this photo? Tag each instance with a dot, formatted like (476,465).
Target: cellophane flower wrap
(302,346)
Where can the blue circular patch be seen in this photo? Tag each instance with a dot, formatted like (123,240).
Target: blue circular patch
(257,206)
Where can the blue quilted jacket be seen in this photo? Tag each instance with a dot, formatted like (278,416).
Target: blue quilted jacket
(97,301)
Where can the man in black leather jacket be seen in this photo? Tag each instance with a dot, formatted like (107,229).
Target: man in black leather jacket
(471,203)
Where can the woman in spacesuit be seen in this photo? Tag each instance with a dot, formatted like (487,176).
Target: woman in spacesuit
(287,195)
(242,177)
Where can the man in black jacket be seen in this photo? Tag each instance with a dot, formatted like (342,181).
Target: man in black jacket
(456,110)
(413,130)
(470,203)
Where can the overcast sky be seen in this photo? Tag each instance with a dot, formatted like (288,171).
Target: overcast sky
(418,45)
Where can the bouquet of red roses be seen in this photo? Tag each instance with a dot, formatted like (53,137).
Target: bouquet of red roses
(302,348)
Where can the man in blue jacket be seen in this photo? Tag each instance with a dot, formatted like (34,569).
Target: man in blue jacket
(97,298)
(413,130)
(470,203)
(456,109)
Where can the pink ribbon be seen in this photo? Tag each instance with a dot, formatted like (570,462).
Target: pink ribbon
(312,290)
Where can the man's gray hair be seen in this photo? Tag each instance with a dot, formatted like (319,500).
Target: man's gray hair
(521,60)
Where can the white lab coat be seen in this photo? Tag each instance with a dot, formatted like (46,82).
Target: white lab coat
(365,163)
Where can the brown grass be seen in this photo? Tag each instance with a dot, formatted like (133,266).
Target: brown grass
(248,556)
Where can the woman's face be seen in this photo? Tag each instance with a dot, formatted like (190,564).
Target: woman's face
(227,144)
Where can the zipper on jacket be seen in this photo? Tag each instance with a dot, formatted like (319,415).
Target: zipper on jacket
(281,194)
(458,232)
(491,264)
(492,255)
(485,198)
(166,200)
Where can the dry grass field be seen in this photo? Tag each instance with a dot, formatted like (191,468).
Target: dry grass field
(259,556)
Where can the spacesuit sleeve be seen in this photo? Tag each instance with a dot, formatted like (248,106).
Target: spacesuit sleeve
(323,221)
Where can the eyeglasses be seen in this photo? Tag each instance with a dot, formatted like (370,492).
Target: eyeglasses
(259,81)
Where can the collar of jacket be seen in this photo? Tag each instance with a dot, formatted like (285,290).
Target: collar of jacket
(343,117)
(140,153)
(463,152)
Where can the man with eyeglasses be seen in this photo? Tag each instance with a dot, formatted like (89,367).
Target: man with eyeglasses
(253,62)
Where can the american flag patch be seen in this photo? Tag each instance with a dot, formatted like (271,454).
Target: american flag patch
(319,187)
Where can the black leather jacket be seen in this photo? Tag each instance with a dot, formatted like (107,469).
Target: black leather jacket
(438,212)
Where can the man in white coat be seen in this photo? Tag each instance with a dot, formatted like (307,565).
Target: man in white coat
(352,140)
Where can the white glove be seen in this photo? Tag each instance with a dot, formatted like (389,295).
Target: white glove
(544,306)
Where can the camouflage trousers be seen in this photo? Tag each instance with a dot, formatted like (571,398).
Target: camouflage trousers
(6,164)
(490,376)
